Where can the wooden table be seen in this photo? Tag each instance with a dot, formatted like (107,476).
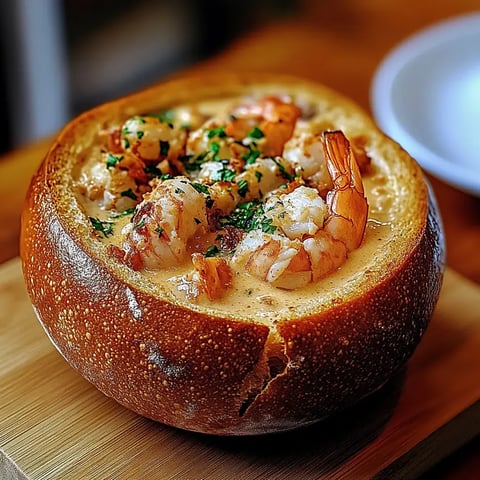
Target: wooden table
(339,44)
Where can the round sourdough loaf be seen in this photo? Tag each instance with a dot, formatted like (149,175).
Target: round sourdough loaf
(198,368)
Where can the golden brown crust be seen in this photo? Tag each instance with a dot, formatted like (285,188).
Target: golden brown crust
(200,371)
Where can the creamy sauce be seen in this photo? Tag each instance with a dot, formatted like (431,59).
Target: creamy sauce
(267,303)
(250,297)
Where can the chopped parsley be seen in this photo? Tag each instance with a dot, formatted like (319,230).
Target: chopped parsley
(140,223)
(211,251)
(165,116)
(140,134)
(112,160)
(140,119)
(217,132)
(164,148)
(193,163)
(256,133)
(265,224)
(242,187)
(249,216)
(258,175)
(128,193)
(104,227)
(159,230)
(251,156)
(199,187)
(225,175)
(215,148)
(283,171)
(154,171)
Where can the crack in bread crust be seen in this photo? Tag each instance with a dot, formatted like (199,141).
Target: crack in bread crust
(216,371)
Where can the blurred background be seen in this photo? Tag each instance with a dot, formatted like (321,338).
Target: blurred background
(60,57)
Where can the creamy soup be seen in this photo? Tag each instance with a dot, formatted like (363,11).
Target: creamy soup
(245,206)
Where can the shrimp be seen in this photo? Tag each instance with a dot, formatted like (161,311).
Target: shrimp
(150,139)
(297,214)
(111,187)
(211,142)
(169,220)
(309,243)
(268,123)
(346,202)
(170,227)
(305,152)
(211,275)
(274,258)
(250,183)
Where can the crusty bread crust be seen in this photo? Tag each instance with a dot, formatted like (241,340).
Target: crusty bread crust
(196,370)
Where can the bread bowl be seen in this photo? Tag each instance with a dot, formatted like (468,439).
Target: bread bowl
(258,357)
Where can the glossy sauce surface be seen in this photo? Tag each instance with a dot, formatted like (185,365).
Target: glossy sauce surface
(248,296)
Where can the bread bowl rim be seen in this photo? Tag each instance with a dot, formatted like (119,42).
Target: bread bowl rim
(60,161)
(318,323)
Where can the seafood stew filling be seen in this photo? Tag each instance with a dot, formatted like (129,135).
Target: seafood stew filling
(251,198)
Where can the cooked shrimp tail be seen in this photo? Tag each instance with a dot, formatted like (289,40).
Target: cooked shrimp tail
(348,207)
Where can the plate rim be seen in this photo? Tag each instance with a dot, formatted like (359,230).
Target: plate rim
(457,175)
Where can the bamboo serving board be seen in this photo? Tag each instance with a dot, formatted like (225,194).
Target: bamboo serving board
(55,425)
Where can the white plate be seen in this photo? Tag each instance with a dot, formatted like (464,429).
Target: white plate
(426,96)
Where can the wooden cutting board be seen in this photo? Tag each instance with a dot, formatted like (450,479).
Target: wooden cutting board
(55,425)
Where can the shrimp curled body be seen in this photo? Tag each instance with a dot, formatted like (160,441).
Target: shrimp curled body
(164,223)
(303,250)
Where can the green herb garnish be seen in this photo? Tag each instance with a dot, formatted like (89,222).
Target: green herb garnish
(193,163)
(112,160)
(129,193)
(140,223)
(225,175)
(251,156)
(283,171)
(217,132)
(256,133)
(165,116)
(211,251)
(199,187)
(153,171)
(104,227)
(242,187)
(215,148)
(249,216)
(164,148)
